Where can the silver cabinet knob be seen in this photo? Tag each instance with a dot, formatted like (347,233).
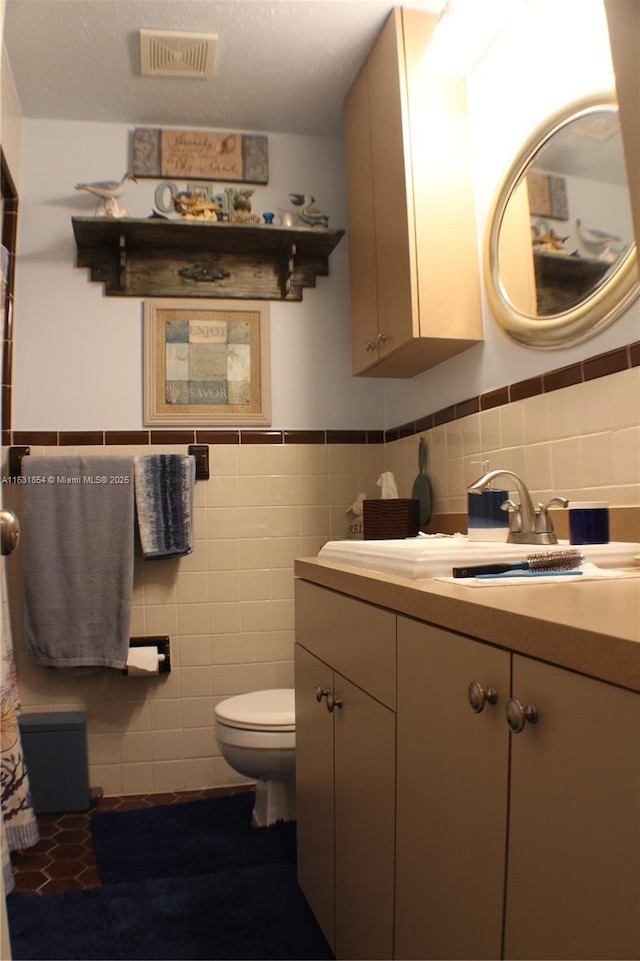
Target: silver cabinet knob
(333,702)
(9,531)
(370,345)
(478,696)
(321,692)
(518,714)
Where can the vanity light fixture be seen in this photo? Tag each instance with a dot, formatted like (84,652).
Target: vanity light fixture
(464,32)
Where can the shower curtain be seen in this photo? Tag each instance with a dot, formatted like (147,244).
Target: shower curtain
(18,824)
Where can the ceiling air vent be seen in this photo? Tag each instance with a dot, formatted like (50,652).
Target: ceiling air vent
(173,53)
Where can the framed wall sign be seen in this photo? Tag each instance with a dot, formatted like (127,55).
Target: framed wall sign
(200,155)
(206,363)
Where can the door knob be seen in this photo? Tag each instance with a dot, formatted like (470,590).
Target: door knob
(321,692)
(9,531)
(518,714)
(478,696)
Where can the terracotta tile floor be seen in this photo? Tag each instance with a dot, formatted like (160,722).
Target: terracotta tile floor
(64,859)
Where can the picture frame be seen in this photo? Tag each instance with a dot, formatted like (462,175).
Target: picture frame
(200,154)
(548,196)
(206,362)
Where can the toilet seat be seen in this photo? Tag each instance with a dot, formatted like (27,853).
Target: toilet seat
(269,711)
(251,739)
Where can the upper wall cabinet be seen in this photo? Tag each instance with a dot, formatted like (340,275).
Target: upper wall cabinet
(184,258)
(415,288)
(624,34)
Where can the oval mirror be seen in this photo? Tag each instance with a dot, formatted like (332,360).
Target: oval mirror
(560,258)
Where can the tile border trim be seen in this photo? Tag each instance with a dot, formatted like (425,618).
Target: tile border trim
(612,362)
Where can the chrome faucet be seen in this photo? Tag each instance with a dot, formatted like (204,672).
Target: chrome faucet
(526,524)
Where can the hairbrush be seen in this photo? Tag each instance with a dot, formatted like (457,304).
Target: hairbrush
(567,560)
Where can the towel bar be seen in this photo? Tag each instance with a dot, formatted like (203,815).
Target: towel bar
(199,451)
(15,460)
(201,454)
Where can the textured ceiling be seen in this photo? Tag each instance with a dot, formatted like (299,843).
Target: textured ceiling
(281,65)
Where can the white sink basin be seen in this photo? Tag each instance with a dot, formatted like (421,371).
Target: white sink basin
(434,555)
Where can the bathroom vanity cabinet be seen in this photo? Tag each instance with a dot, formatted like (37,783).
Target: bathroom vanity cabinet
(513,845)
(415,296)
(345,769)
(546,820)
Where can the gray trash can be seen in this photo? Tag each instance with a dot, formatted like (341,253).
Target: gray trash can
(55,751)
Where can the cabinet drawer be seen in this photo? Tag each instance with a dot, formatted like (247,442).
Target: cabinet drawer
(356,639)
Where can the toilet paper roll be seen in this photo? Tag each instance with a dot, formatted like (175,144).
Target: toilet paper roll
(143,660)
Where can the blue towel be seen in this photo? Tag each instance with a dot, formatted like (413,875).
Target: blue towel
(77,538)
(164,503)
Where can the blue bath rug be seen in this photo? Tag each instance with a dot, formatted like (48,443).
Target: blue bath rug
(196,837)
(257,913)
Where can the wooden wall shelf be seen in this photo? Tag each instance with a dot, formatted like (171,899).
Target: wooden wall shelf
(564,281)
(186,258)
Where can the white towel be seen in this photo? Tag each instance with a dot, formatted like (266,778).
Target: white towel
(77,541)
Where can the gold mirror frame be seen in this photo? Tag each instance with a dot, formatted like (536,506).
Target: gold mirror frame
(599,309)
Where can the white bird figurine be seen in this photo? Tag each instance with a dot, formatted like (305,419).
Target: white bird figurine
(357,507)
(108,192)
(308,213)
(599,243)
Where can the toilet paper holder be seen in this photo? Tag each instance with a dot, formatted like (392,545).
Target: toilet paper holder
(163,644)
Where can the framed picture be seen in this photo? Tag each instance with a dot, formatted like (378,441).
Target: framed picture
(206,362)
(548,196)
(200,155)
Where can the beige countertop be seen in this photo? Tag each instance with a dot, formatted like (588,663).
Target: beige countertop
(591,627)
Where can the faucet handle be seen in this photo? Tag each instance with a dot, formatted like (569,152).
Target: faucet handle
(544,524)
(515,515)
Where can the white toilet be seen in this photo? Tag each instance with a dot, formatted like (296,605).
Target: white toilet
(257,737)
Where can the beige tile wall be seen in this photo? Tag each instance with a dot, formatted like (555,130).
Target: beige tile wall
(229,606)
(582,442)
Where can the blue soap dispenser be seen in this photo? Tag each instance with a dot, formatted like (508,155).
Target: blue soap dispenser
(486,521)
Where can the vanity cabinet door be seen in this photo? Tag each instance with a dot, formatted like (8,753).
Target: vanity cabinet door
(345,655)
(365,733)
(574,847)
(452,795)
(345,790)
(315,790)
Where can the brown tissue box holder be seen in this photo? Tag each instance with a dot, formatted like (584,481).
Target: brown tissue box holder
(391,519)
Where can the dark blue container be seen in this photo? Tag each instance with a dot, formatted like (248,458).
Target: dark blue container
(588,522)
(55,751)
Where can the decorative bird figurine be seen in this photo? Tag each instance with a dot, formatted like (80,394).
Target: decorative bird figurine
(239,204)
(357,507)
(598,243)
(308,213)
(108,192)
